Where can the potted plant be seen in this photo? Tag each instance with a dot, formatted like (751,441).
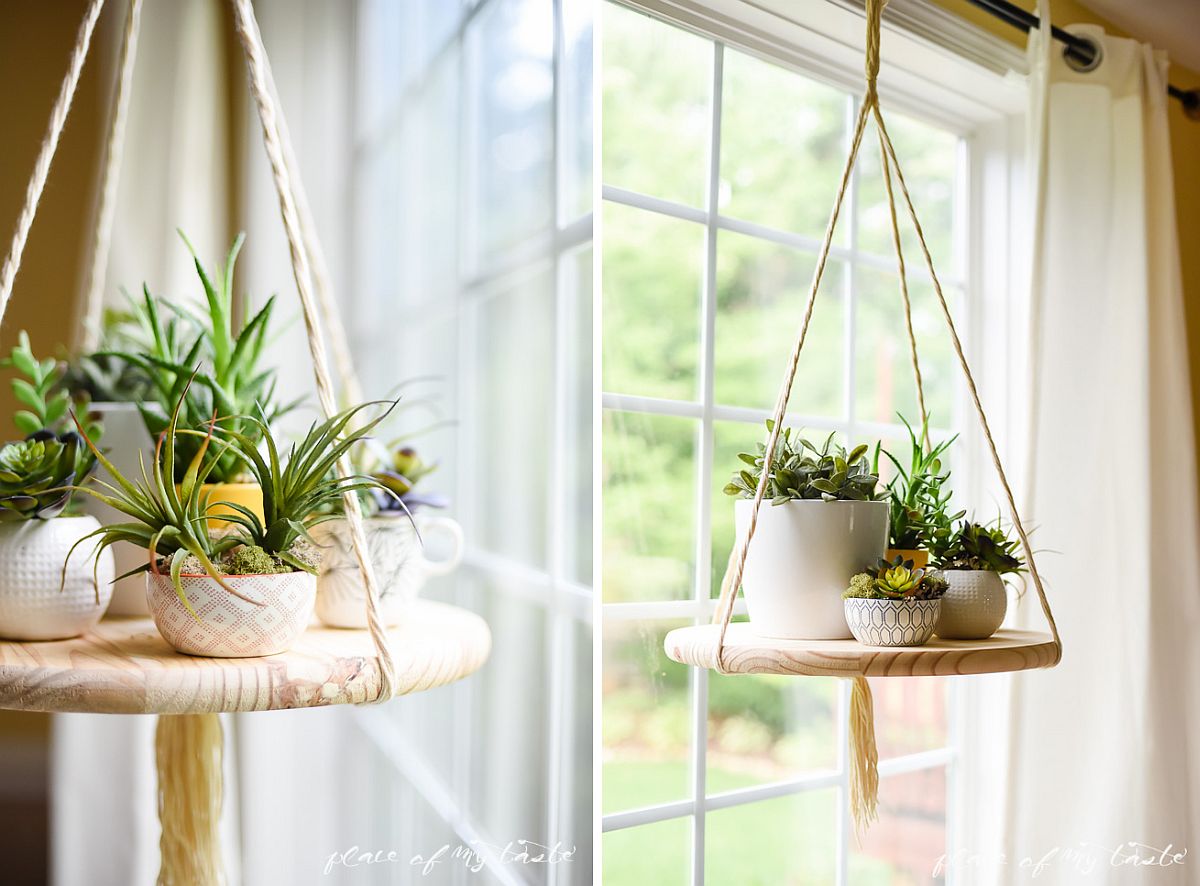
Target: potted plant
(894,604)
(45,594)
(231,384)
(112,389)
(247,590)
(396,527)
(918,496)
(974,558)
(825,521)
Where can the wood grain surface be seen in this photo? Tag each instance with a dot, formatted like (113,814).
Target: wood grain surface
(748,653)
(124,666)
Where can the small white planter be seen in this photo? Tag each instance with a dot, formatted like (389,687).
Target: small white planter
(32,553)
(401,567)
(230,627)
(892,622)
(801,560)
(974,605)
(123,441)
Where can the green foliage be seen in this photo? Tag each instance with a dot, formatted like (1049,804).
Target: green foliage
(897,580)
(36,475)
(36,388)
(103,376)
(229,386)
(979,547)
(298,491)
(919,495)
(802,471)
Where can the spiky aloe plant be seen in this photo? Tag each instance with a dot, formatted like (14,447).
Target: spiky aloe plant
(919,495)
(231,384)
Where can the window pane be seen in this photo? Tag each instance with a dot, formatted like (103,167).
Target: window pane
(649,506)
(577,108)
(578,455)
(929,160)
(910,836)
(645,717)
(910,715)
(656,853)
(762,289)
(512,45)
(783,146)
(883,356)
(653,267)
(790,840)
(764,729)
(657,84)
(515,334)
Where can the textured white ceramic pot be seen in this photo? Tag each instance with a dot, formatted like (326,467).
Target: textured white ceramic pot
(974,605)
(228,626)
(801,560)
(124,440)
(32,553)
(891,622)
(398,556)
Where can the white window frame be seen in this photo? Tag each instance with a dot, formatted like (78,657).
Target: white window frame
(822,40)
(566,602)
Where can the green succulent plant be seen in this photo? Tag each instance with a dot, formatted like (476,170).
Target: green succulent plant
(36,473)
(919,495)
(230,385)
(169,519)
(897,579)
(976,546)
(802,471)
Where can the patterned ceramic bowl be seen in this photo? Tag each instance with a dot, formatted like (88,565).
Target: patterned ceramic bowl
(892,622)
(274,613)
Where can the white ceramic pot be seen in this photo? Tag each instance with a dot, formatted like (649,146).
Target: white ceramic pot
(32,553)
(974,605)
(228,626)
(801,560)
(892,622)
(401,567)
(123,442)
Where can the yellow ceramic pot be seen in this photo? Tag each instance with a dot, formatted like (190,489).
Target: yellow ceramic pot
(920,558)
(214,496)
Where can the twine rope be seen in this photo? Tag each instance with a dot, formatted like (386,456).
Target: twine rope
(248,35)
(41,168)
(188,750)
(870,107)
(114,151)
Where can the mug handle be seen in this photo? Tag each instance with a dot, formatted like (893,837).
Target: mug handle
(450,528)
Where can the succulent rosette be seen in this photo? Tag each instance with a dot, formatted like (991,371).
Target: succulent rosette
(402,470)
(37,473)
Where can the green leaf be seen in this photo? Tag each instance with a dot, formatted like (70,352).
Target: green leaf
(25,392)
(26,422)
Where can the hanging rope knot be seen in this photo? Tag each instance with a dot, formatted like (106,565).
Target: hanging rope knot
(874,20)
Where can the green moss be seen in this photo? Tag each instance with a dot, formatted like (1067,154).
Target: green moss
(862,585)
(252,560)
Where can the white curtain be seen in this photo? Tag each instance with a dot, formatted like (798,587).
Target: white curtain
(1104,750)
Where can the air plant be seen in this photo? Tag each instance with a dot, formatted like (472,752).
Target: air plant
(37,473)
(169,518)
(104,376)
(918,496)
(231,384)
(896,579)
(802,471)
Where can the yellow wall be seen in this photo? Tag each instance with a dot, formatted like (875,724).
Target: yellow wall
(1185,149)
(35,42)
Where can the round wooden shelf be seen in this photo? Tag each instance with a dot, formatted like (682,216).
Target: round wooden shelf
(748,653)
(124,666)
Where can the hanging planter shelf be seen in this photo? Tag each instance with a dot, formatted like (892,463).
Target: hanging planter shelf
(124,666)
(745,652)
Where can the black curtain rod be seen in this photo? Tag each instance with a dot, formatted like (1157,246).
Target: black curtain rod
(1081,50)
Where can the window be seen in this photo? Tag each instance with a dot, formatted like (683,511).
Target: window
(719,171)
(471,257)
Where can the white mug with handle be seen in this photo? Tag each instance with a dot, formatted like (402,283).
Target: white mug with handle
(398,556)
